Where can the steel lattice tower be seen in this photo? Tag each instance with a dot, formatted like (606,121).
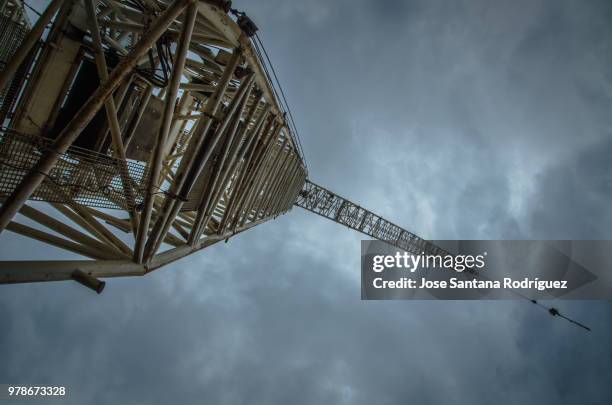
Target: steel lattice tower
(150,130)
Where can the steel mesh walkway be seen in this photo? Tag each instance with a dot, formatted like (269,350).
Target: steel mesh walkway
(83,176)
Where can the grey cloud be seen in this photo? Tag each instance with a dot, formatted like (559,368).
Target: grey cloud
(468,119)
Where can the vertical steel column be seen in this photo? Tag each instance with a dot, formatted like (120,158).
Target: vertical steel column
(111,112)
(185,183)
(286,188)
(209,202)
(258,185)
(234,194)
(275,183)
(257,153)
(270,179)
(231,168)
(200,134)
(291,170)
(252,185)
(160,144)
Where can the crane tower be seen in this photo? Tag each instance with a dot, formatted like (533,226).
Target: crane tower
(137,132)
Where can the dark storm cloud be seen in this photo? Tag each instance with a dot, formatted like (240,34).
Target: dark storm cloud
(574,197)
(466,119)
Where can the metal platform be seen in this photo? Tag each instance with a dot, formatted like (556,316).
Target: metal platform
(80,175)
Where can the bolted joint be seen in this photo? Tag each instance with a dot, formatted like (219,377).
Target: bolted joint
(88,280)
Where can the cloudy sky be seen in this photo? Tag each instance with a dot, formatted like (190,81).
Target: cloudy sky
(456,119)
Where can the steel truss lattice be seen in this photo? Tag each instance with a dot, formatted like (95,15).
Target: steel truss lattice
(321,201)
(149,130)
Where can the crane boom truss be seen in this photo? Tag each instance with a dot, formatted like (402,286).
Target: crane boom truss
(330,205)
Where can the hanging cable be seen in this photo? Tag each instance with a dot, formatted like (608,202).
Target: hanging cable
(250,29)
(555,312)
(32,9)
(284,99)
(551,310)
